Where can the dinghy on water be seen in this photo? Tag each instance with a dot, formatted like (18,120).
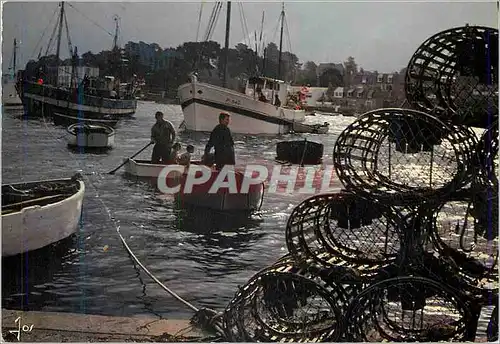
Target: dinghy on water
(91,136)
(37,214)
(208,195)
(222,199)
(300,152)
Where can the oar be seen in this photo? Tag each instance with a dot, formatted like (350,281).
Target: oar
(303,153)
(133,156)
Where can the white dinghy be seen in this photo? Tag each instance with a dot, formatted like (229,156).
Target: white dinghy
(94,136)
(40,213)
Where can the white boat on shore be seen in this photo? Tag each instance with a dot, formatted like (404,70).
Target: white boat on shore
(91,136)
(37,214)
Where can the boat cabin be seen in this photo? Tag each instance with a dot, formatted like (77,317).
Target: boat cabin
(269,87)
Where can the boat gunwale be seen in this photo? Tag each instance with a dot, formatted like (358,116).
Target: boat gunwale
(109,130)
(235,93)
(78,194)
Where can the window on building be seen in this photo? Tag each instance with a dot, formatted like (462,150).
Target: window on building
(363,80)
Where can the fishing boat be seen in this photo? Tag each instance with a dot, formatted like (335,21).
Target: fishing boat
(91,136)
(300,152)
(9,92)
(203,102)
(45,91)
(37,214)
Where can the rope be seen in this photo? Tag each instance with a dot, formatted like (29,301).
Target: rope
(44,31)
(168,290)
(199,20)
(92,21)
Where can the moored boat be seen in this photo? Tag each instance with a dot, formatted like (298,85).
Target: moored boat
(63,89)
(240,195)
(91,136)
(37,214)
(300,152)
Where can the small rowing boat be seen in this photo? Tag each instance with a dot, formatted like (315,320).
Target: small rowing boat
(91,136)
(300,152)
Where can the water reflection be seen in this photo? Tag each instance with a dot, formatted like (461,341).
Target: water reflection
(201,255)
(24,274)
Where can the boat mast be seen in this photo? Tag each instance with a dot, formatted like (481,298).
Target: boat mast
(281,39)
(15,48)
(59,34)
(226,56)
(115,38)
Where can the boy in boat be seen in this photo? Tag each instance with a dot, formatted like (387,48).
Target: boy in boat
(185,158)
(163,136)
(175,153)
(222,141)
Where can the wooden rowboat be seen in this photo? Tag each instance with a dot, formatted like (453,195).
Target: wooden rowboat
(37,214)
(300,152)
(222,199)
(91,135)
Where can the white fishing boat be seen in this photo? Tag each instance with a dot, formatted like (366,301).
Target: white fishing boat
(91,136)
(37,214)
(203,102)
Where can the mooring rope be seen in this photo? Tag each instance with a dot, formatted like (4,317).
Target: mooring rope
(206,318)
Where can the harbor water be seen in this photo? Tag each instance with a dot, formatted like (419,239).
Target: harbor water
(202,256)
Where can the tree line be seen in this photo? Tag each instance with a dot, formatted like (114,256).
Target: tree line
(207,59)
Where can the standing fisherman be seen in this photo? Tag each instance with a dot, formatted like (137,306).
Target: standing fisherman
(222,141)
(163,136)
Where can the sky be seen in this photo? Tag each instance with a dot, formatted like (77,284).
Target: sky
(381,36)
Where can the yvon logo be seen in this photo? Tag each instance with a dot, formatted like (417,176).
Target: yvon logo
(279,179)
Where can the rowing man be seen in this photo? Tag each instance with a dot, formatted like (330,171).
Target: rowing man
(163,136)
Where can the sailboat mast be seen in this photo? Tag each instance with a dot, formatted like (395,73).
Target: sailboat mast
(115,38)
(59,34)
(15,48)
(281,39)
(226,45)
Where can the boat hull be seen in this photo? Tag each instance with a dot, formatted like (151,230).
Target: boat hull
(202,103)
(300,152)
(66,107)
(9,94)
(143,168)
(38,226)
(222,199)
(94,137)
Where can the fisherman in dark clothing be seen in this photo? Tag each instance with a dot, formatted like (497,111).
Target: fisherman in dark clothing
(222,141)
(277,101)
(163,135)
